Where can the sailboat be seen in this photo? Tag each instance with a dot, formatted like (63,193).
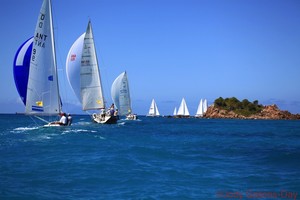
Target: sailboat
(202,108)
(42,92)
(121,96)
(199,112)
(153,111)
(183,111)
(91,91)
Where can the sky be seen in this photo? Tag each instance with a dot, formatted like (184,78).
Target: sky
(171,49)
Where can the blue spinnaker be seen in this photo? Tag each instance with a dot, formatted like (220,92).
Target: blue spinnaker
(21,68)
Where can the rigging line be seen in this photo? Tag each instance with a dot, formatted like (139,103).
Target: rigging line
(41,119)
(33,119)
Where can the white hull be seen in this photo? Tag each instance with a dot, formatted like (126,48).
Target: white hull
(51,125)
(131,117)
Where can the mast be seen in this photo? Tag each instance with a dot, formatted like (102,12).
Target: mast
(54,54)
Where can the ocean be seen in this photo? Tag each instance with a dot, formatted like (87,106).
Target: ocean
(151,158)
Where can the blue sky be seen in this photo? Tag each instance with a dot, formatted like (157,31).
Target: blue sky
(170,49)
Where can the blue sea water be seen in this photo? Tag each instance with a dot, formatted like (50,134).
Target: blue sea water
(151,158)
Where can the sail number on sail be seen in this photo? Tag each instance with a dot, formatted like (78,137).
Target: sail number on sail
(39,38)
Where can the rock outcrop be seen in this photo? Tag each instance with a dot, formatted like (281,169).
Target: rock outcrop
(268,112)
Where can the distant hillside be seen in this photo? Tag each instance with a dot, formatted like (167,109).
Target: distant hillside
(233,108)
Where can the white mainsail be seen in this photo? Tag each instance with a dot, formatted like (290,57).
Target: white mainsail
(153,111)
(90,82)
(42,90)
(121,95)
(183,110)
(73,65)
(200,112)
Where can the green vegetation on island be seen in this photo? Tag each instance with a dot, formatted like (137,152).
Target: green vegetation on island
(244,107)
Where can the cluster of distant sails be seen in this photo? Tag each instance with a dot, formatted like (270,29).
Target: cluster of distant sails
(182,112)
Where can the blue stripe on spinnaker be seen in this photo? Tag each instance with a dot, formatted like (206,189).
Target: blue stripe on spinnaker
(21,68)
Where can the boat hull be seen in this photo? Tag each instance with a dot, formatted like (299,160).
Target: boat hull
(131,117)
(52,125)
(106,120)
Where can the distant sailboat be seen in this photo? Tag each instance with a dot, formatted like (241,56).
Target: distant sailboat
(202,108)
(88,75)
(121,96)
(183,110)
(199,112)
(42,92)
(153,111)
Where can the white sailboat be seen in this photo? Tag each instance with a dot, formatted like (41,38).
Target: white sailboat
(153,111)
(42,91)
(121,96)
(90,81)
(84,77)
(199,112)
(202,108)
(183,110)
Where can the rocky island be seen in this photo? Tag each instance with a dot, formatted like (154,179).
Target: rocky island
(232,108)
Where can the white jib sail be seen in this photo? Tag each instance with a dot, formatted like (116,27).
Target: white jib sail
(120,94)
(42,90)
(183,110)
(199,112)
(73,64)
(90,82)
